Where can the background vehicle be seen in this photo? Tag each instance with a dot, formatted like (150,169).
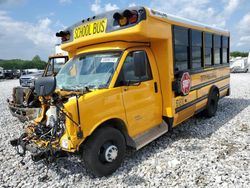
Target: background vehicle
(1,73)
(27,80)
(240,65)
(25,104)
(132,76)
(9,74)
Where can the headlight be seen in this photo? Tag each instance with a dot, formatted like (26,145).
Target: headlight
(65,143)
(32,83)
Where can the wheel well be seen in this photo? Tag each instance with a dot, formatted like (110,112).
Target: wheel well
(119,125)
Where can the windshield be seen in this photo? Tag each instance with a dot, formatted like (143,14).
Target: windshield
(88,70)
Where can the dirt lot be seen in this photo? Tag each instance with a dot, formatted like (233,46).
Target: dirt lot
(200,152)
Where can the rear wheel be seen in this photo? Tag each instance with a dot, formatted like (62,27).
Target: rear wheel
(212,104)
(104,151)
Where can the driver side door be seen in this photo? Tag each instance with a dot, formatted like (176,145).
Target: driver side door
(141,95)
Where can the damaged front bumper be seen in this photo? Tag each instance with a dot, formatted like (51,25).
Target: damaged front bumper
(23,113)
(23,144)
(24,104)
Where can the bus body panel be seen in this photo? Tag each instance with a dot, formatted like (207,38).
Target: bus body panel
(149,32)
(138,106)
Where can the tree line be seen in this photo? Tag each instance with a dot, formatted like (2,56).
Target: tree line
(239,54)
(35,63)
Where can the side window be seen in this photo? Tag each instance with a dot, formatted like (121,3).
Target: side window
(225,50)
(130,70)
(196,49)
(50,68)
(181,48)
(217,49)
(208,49)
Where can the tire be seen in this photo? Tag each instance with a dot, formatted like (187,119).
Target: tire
(246,71)
(98,146)
(212,104)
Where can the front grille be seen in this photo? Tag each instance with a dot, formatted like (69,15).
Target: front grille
(25,81)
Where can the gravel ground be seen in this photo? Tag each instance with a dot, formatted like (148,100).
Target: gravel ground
(199,153)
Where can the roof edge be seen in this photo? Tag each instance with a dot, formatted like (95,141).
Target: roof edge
(179,19)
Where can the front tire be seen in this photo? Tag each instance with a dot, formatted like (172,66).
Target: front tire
(104,151)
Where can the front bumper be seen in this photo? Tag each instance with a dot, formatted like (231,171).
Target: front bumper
(24,113)
(23,144)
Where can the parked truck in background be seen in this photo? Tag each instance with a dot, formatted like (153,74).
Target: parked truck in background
(24,103)
(240,64)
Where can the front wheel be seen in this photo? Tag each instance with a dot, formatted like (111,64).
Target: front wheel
(104,151)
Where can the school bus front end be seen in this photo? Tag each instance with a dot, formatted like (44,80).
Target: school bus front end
(122,87)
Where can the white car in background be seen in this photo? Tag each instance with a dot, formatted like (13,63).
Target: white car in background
(239,65)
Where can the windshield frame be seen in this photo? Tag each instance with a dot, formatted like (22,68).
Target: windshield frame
(96,52)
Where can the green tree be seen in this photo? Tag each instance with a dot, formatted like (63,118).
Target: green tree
(239,54)
(36,59)
(36,62)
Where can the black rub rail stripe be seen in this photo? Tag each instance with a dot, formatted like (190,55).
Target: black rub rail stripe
(209,82)
(190,103)
(197,100)
(224,87)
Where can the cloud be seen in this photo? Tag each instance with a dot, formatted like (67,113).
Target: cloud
(109,7)
(231,7)
(132,5)
(97,8)
(201,10)
(24,39)
(65,1)
(244,31)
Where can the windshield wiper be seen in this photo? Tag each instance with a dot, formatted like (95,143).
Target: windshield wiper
(84,89)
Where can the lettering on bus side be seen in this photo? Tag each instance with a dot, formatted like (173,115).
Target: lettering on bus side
(208,76)
(180,102)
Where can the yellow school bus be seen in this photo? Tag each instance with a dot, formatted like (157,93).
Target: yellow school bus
(133,75)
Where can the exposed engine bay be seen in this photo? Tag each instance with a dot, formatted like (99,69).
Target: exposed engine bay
(45,134)
(42,135)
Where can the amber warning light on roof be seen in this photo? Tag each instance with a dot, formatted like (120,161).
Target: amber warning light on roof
(127,17)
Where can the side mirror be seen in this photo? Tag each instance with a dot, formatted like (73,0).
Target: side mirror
(140,63)
(45,86)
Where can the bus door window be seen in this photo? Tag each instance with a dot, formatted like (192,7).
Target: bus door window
(136,73)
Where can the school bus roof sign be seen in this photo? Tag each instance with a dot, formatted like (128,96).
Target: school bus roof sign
(90,29)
